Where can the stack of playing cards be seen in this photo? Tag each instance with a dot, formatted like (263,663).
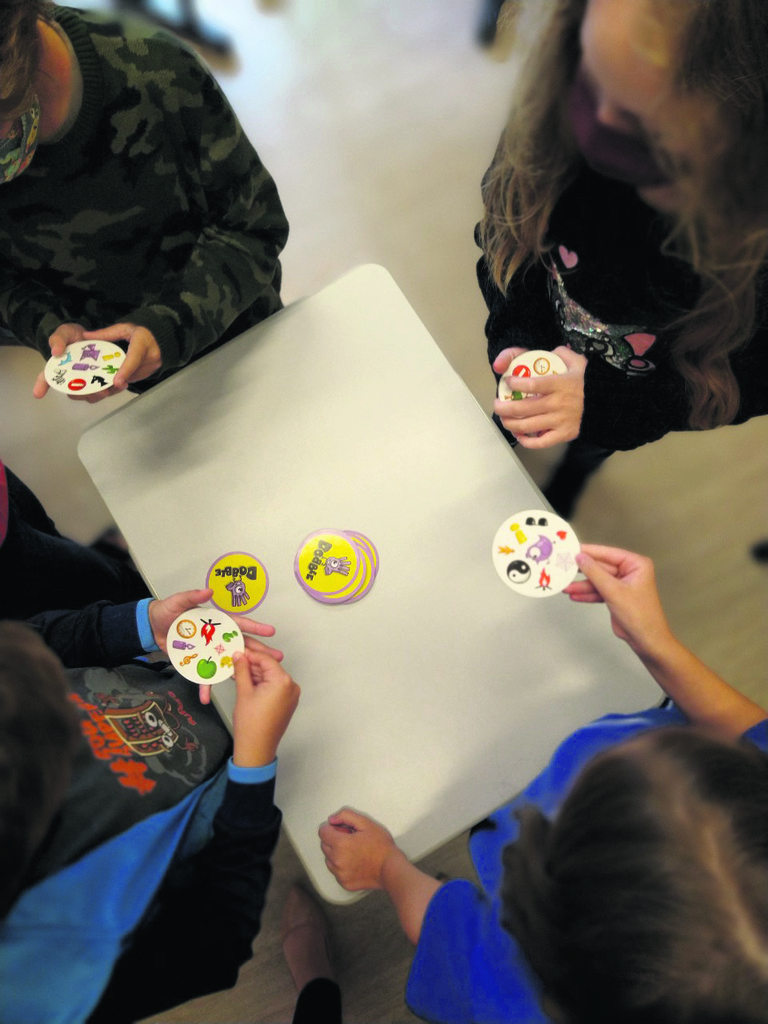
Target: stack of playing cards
(336,566)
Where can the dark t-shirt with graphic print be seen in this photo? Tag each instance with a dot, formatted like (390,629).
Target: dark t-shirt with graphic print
(147,743)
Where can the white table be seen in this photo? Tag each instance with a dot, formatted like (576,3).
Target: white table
(442,692)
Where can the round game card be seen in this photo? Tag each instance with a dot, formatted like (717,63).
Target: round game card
(368,548)
(336,566)
(371,559)
(85,368)
(536,363)
(535,553)
(239,582)
(201,643)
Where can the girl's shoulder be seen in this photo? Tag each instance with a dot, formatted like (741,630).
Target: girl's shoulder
(606,215)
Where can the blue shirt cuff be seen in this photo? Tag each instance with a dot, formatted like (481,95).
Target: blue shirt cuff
(249,775)
(146,636)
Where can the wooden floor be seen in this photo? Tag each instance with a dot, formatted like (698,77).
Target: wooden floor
(377,119)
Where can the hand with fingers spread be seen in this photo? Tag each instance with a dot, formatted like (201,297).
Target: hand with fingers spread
(554,414)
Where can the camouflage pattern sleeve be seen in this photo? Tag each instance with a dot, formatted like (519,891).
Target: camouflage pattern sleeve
(233,263)
(154,208)
(29,310)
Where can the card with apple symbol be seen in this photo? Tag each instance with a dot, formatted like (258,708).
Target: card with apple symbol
(201,643)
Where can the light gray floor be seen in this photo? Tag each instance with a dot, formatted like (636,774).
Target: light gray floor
(377,119)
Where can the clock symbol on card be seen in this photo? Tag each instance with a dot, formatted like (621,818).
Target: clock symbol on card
(201,643)
(536,363)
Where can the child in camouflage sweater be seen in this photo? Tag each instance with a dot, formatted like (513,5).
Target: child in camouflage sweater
(134,208)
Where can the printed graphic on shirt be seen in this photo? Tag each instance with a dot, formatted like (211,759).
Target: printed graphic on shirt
(621,345)
(146,734)
(144,728)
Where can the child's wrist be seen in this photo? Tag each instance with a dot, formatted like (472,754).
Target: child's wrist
(253,756)
(391,867)
(657,647)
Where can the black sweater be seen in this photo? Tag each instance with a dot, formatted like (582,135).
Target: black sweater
(610,293)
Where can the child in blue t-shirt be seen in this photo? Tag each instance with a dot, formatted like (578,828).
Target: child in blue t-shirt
(628,882)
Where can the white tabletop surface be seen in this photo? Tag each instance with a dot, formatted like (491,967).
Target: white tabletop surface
(442,692)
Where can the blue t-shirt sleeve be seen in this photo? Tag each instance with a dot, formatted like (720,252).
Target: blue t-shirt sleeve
(467,967)
(549,788)
(758,735)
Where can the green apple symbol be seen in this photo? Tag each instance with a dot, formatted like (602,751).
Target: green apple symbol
(206,668)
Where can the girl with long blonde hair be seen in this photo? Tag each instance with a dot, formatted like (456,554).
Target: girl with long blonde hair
(626,224)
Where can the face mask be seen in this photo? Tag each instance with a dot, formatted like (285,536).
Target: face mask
(607,151)
(19,145)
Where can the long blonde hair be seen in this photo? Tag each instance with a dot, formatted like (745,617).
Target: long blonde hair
(721,229)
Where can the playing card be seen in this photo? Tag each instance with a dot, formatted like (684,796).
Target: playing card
(534,553)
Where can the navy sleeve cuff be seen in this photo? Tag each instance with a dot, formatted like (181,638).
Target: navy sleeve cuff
(249,808)
(120,633)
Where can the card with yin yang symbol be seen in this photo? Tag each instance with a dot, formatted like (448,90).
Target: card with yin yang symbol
(534,553)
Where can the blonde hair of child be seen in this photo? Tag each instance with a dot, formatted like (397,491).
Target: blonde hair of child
(718,52)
